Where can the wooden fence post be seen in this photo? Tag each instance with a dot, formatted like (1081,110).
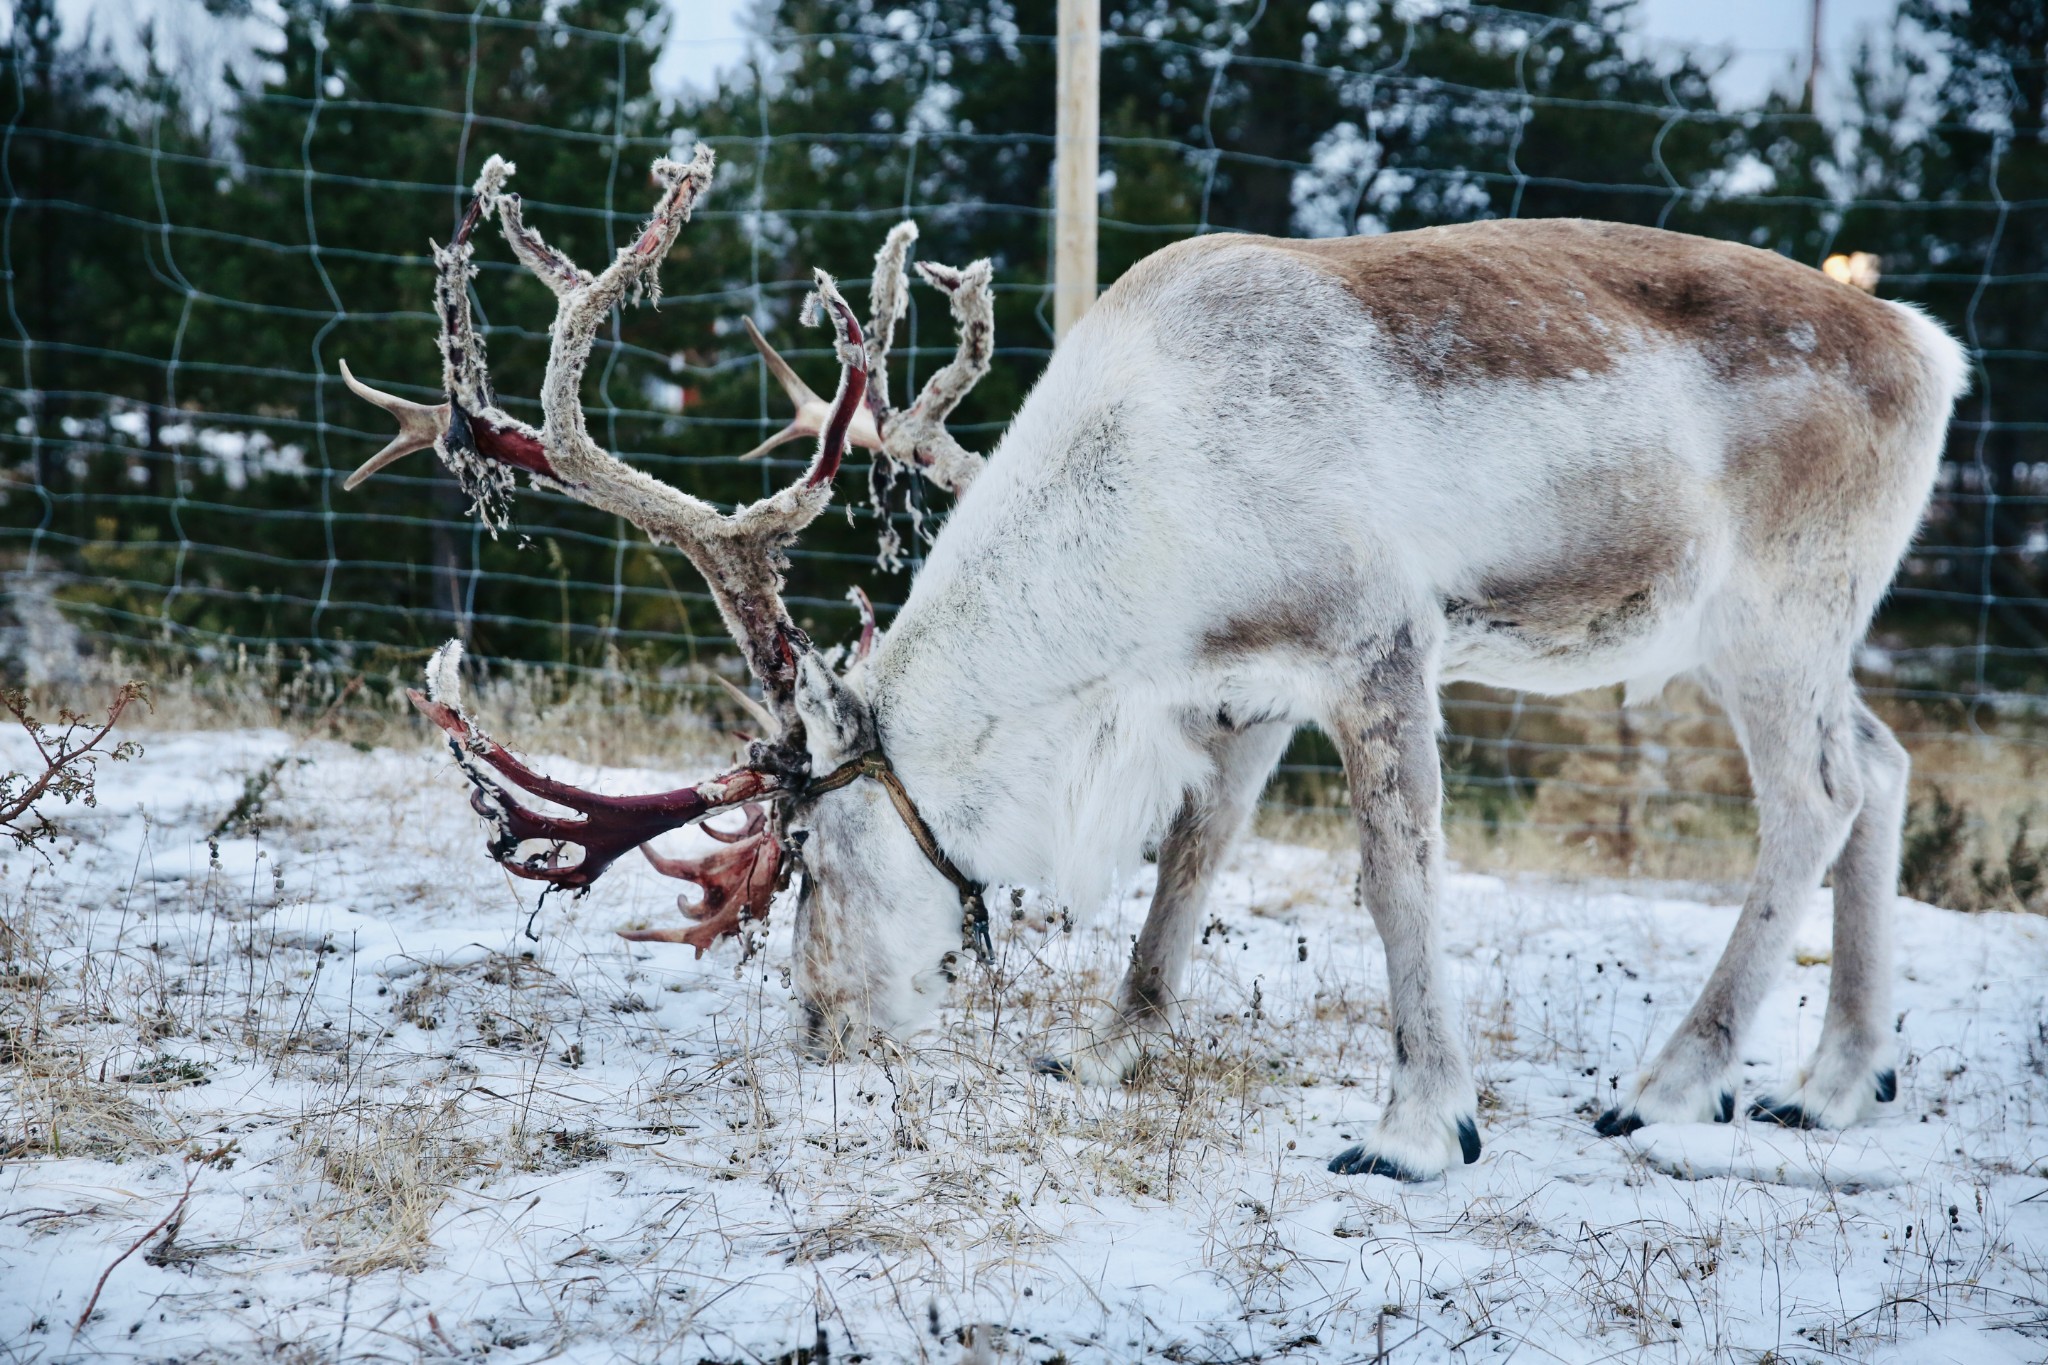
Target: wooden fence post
(1075,165)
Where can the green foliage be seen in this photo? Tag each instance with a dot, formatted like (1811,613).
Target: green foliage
(166,1070)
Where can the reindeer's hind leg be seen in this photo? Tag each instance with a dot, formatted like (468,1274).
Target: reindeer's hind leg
(1852,1069)
(1387,735)
(1798,719)
(1209,821)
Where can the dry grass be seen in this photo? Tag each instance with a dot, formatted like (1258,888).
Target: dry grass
(1575,787)
(617,717)
(82,1037)
(384,1171)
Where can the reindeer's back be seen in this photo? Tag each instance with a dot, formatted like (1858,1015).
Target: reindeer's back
(1834,390)
(1590,423)
(1548,299)
(1536,300)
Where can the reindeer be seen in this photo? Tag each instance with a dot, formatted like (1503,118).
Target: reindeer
(1263,484)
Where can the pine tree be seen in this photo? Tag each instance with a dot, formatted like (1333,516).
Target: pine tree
(182,294)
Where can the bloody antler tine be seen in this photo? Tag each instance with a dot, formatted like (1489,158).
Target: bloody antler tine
(490,751)
(493,802)
(757,819)
(470,216)
(610,826)
(682,869)
(736,884)
(853,382)
(867,623)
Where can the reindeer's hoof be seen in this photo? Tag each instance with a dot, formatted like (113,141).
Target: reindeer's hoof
(1358,1161)
(1784,1115)
(1468,1140)
(1095,1058)
(1615,1123)
(1840,1090)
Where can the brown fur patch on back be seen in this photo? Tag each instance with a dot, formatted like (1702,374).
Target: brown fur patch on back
(1547,299)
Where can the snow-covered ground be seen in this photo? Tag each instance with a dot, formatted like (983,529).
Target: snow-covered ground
(422,1134)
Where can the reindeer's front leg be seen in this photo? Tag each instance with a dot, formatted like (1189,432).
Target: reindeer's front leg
(1147,1003)
(1387,735)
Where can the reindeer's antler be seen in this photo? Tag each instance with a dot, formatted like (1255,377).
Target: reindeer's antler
(917,435)
(914,437)
(739,555)
(737,884)
(609,826)
(867,622)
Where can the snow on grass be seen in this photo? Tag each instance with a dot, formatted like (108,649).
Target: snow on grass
(412,1131)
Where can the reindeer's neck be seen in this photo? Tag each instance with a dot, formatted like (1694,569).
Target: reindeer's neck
(1018,692)
(1034,763)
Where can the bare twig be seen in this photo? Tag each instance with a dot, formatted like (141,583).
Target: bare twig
(354,685)
(176,1209)
(68,764)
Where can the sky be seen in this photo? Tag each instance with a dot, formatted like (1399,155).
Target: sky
(705,37)
(1766,40)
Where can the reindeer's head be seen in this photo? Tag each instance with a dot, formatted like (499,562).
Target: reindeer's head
(881,908)
(879,903)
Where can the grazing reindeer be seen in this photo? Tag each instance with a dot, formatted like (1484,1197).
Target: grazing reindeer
(1266,483)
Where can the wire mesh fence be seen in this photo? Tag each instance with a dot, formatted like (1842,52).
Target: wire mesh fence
(182,284)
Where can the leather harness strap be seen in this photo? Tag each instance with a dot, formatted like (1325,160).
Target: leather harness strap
(973,904)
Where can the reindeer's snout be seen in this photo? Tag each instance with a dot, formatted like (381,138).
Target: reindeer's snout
(824,1034)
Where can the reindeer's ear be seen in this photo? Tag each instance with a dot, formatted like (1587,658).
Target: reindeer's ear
(837,724)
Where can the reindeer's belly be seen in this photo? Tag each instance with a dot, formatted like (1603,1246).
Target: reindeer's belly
(1619,608)
(1567,657)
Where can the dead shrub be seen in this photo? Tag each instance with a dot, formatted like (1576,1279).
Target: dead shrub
(1956,858)
(68,751)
